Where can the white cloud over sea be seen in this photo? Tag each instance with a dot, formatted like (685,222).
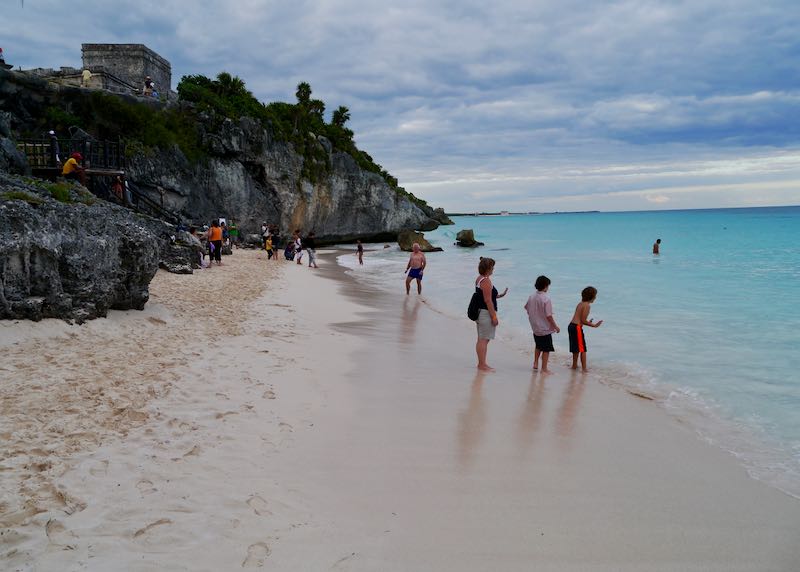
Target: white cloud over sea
(514,104)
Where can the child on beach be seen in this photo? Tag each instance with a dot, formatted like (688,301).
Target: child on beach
(540,316)
(269,247)
(577,342)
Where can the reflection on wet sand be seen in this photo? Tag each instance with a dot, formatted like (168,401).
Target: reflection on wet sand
(471,424)
(568,412)
(530,416)
(408,321)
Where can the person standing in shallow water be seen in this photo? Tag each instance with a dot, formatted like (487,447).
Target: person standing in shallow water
(415,268)
(487,321)
(657,246)
(360,252)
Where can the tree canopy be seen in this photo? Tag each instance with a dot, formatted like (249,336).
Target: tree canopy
(299,123)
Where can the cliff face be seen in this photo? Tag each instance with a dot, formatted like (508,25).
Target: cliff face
(245,175)
(75,258)
(251,178)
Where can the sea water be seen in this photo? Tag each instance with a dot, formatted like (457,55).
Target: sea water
(709,329)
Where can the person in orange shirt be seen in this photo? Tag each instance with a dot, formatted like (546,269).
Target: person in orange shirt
(215,244)
(73,170)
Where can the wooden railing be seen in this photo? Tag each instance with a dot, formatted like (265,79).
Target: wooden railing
(52,153)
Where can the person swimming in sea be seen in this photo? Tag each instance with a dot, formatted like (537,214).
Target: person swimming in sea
(657,246)
(415,268)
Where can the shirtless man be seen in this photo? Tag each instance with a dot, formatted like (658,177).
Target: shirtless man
(657,246)
(415,267)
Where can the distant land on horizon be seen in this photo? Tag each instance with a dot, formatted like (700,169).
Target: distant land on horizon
(509,213)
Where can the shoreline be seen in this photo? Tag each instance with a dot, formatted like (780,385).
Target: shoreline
(688,397)
(332,426)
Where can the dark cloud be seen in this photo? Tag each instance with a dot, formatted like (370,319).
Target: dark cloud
(471,103)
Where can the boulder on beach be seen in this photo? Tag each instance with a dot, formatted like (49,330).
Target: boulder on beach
(407,238)
(466,238)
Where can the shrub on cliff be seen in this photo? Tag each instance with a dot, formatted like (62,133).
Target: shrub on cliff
(297,123)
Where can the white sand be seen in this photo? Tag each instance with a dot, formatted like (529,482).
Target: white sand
(284,426)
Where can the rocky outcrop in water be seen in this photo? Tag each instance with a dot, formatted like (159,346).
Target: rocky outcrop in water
(466,238)
(75,258)
(407,238)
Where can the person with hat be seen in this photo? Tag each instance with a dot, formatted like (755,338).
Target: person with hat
(148,86)
(55,151)
(73,170)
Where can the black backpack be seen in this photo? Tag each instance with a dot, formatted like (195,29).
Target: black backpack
(474,308)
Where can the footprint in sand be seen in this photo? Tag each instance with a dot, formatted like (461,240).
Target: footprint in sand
(146,487)
(259,505)
(149,527)
(268,394)
(58,534)
(256,555)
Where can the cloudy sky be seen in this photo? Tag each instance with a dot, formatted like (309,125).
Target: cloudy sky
(511,104)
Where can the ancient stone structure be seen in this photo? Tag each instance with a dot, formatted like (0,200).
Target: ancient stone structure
(129,62)
(118,68)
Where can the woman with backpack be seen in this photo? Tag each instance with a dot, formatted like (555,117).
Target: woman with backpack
(485,298)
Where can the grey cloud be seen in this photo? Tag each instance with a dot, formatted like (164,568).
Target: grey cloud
(448,90)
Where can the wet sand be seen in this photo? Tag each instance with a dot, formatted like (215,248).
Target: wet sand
(293,427)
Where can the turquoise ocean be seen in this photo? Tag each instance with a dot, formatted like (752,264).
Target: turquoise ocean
(710,329)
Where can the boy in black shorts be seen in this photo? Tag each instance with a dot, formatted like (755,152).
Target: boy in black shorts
(540,316)
(577,342)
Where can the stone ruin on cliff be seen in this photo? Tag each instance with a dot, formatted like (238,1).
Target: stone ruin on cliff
(118,68)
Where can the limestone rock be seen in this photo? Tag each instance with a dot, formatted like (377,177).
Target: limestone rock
(177,259)
(11,159)
(70,260)
(407,238)
(466,238)
(439,216)
(247,175)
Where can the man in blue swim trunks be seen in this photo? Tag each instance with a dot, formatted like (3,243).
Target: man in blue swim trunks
(416,265)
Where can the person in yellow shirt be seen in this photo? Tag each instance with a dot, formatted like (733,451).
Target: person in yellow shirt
(72,169)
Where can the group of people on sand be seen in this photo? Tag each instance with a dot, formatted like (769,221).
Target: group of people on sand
(483,310)
(300,245)
(211,241)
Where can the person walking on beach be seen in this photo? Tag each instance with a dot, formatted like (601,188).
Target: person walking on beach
(577,341)
(298,247)
(269,247)
(215,244)
(415,268)
(657,246)
(540,316)
(360,252)
(311,248)
(487,315)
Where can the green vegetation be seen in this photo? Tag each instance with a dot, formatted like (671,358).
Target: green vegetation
(299,123)
(144,127)
(23,196)
(60,192)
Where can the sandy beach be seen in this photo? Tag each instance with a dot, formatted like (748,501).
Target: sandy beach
(264,415)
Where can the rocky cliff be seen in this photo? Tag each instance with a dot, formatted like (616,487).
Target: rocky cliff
(74,257)
(251,178)
(243,172)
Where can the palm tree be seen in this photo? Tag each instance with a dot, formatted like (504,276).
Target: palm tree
(303,93)
(317,107)
(230,85)
(341,115)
